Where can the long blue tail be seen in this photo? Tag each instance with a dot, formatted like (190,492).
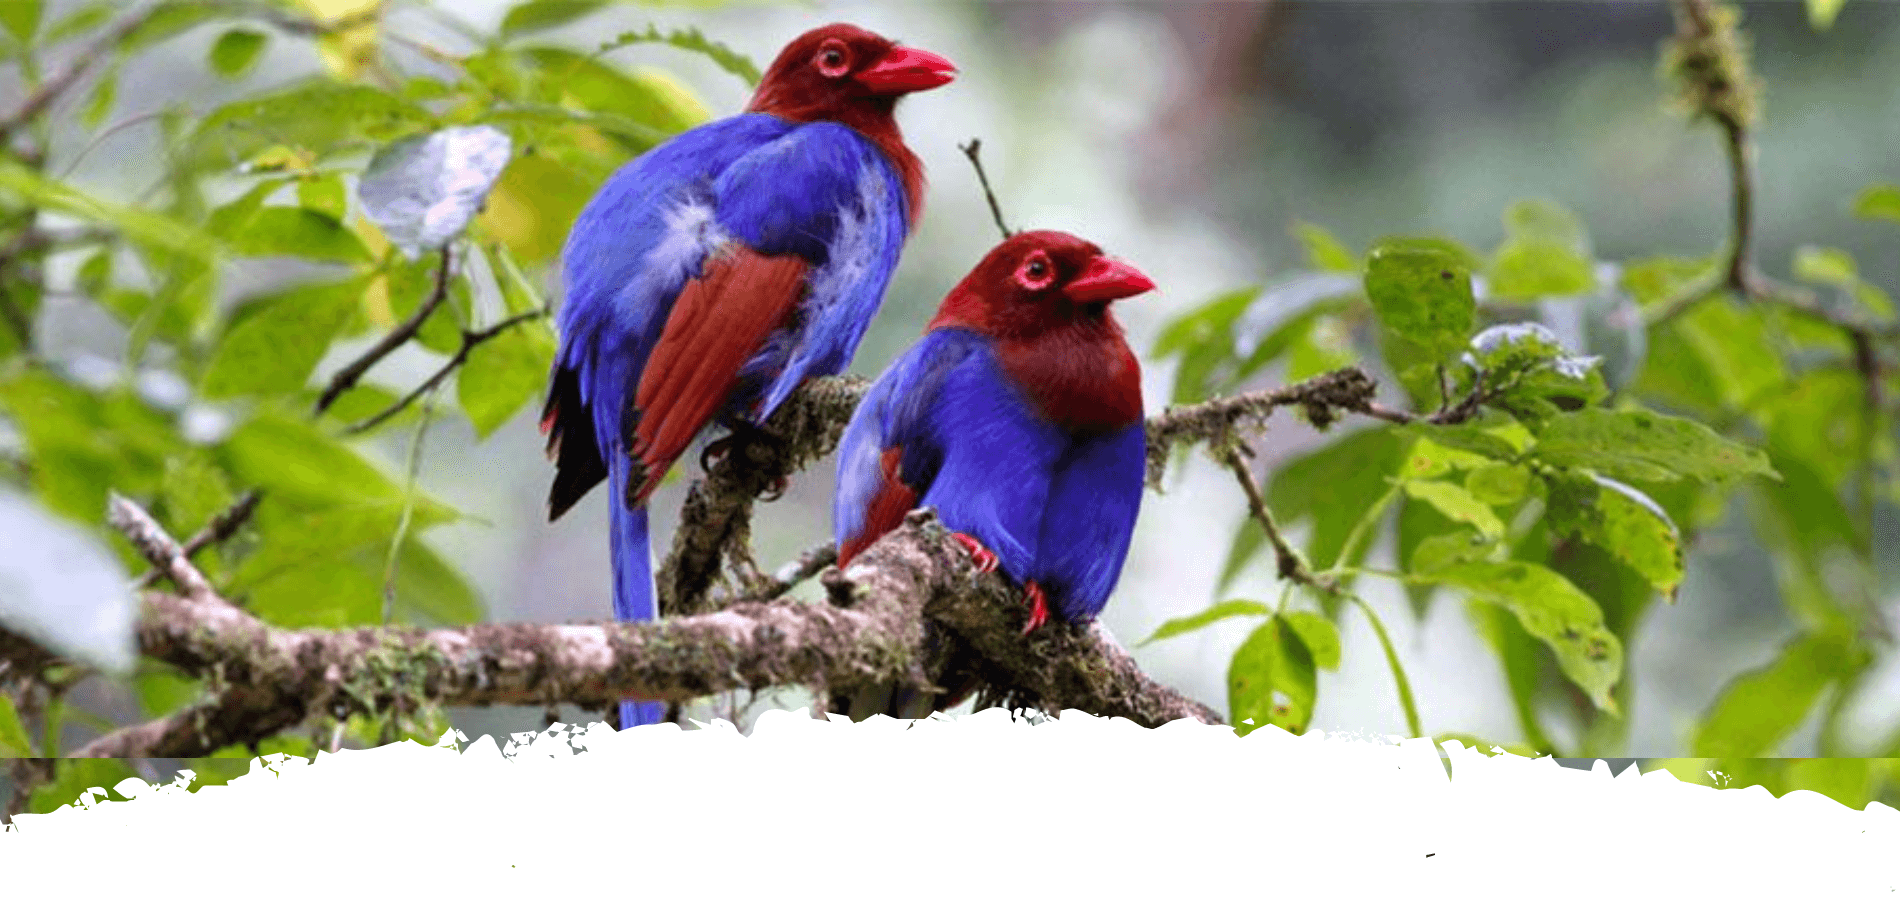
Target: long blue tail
(633,579)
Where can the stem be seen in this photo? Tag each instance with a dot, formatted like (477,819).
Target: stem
(408,508)
(1398,670)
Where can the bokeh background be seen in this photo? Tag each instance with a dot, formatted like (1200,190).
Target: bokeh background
(1187,137)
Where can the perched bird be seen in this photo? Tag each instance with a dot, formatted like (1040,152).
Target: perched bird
(712,275)
(1018,418)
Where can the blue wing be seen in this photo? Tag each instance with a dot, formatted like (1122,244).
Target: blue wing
(969,445)
(1094,496)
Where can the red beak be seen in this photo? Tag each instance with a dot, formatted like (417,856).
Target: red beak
(906,69)
(1107,279)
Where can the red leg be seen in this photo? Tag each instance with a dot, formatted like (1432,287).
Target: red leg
(1038,607)
(981,555)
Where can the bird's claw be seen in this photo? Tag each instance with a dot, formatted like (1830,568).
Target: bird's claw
(1038,607)
(777,490)
(981,555)
(714,452)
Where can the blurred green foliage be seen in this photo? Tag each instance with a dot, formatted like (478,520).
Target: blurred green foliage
(338,539)
(1561,496)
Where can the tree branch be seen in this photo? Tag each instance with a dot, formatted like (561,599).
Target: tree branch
(1290,565)
(347,377)
(470,340)
(717,513)
(158,548)
(266,679)
(220,529)
(62,81)
(972,151)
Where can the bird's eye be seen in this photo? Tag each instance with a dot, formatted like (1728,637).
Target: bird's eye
(1036,272)
(832,60)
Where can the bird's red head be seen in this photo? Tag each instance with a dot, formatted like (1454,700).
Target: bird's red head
(847,74)
(1039,281)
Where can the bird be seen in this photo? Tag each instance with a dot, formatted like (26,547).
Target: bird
(1018,418)
(713,274)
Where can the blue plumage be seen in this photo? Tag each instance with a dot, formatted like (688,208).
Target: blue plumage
(711,276)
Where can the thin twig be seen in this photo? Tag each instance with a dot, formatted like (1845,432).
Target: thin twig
(63,81)
(1291,566)
(158,547)
(470,340)
(220,529)
(792,574)
(349,375)
(971,150)
(408,509)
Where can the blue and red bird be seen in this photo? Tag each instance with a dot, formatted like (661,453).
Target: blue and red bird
(1018,418)
(712,275)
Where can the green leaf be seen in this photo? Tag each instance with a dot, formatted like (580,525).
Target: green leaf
(690,39)
(1637,444)
(295,231)
(1660,279)
(1762,707)
(72,777)
(1476,442)
(99,102)
(169,20)
(518,293)
(1320,636)
(1204,339)
(540,15)
(1222,610)
(1446,549)
(1430,459)
(14,743)
(319,115)
(237,50)
(504,374)
(1552,610)
(1824,265)
(302,468)
(1623,521)
(1248,542)
(1498,484)
(280,339)
(1818,546)
(1313,334)
(1879,201)
(1738,348)
(407,285)
(21,18)
(324,194)
(1271,680)
(1333,486)
(429,591)
(1821,13)
(164,691)
(1458,505)
(79,21)
(145,227)
(1421,290)
(1323,251)
(649,97)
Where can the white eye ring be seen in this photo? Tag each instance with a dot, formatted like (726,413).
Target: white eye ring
(1036,272)
(832,60)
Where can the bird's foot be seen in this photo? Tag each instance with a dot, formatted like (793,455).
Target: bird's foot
(1038,607)
(777,489)
(979,554)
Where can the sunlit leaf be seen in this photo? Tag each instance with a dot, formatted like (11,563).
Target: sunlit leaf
(1821,13)
(690,39)
(274,348)
(237,50)
(1271,680)
(1642,445)
(1879,201)
(14,744)
(1422,291)
(1223,610)
(1759,709)
(1554,611)
(540,15)
(1458,505)
(1320,636)
(1545,253)
(1623,521)
(1323,251)
(296,231)
(504,374)
(21,18)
